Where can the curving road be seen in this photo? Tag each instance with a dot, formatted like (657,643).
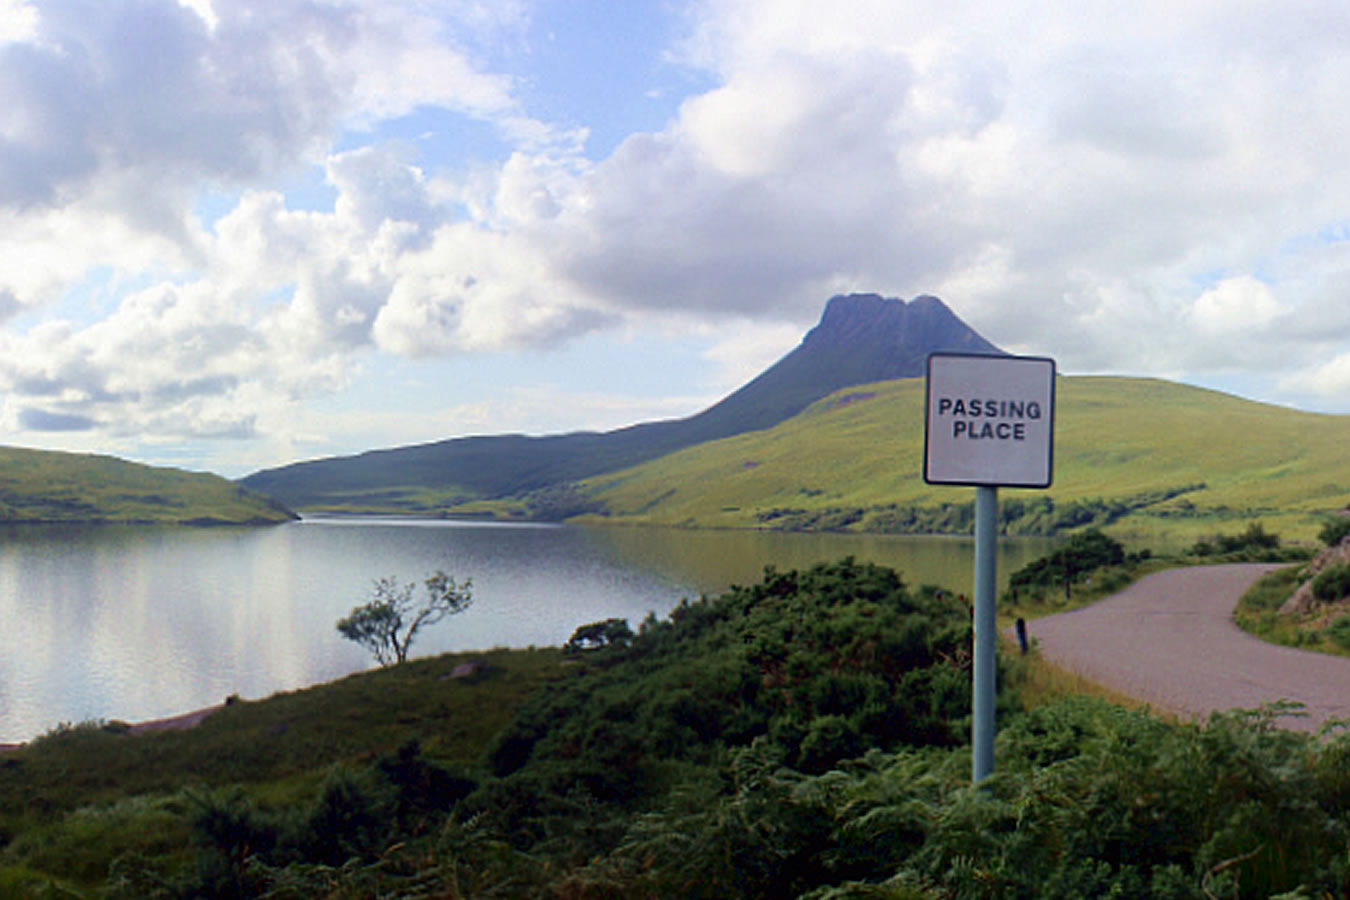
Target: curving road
(1170,641)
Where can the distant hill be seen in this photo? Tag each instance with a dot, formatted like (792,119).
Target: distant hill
(1131,454)
(861,338)
(49,486)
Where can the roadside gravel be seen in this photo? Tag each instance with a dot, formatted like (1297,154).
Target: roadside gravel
(1170,641)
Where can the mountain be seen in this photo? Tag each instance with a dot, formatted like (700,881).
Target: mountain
(861,338)
(50,486)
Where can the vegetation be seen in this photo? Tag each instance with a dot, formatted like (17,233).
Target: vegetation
(1334,530)
(804,736)
(1083,554)
(387,624)
(49,486)
(85,804)
(1253,545)
(1258,612)
(1332,584)
(1089,566)
(1139,457)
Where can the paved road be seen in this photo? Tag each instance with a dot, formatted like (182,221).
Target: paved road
(1169,640)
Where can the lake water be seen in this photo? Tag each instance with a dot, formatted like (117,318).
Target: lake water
(137,623)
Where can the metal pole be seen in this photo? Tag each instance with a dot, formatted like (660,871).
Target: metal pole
(982,727)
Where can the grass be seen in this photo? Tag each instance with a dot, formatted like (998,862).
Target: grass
(1258,614)
(49,486)
(1041,682)
(1183,462)
(82,796)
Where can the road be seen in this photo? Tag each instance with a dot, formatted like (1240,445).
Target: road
(1170,641)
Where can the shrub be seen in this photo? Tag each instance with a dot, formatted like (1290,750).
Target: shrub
(1332,583)
(1334,530)
(1085,553)
(599,635)
(820,664)
(1339,632)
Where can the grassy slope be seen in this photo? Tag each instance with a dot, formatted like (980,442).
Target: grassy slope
(75,800)
(1115,437)
(46,486)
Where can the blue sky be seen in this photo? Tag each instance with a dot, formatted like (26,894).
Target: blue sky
(238,234)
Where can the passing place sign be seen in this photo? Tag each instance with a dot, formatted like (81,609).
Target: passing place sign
(989,420)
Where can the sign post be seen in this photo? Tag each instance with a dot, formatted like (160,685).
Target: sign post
(988,422)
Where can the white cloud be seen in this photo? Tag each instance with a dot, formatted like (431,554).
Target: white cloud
(1236,304)
(1330,379)
(18,21)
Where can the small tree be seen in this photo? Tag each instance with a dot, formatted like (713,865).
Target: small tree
(387,624)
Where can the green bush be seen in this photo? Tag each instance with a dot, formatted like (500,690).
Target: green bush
(823,664)
(1255,544)
(1334,530)
(1339,632)
(1084,554)
(1332,583)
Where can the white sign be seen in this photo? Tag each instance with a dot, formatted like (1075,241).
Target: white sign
(989,420)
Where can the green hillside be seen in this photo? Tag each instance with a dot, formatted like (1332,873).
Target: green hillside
(47,486)
(1132,455)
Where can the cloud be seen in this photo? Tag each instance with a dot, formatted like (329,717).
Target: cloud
(32,419)
(1144,188)
(1328,379)
(1236,304)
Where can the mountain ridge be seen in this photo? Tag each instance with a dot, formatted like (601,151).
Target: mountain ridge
(860,338)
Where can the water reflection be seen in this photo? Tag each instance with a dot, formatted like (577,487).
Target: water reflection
(715,560)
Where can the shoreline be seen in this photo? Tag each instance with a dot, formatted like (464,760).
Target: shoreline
(169,723)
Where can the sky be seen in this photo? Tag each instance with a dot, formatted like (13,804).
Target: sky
(239,233)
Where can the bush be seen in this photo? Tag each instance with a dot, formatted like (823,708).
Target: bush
(1255,544)
(821,664)
(1085,553)
(1339,632)
(1332,583)
(598,636)
(1334,530)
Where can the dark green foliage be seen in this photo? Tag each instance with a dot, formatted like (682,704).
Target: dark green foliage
(1085,553)
(1040,515)
(356,817)
(1089,800)
(610,633)
(1253,545)
(352,818)
(1332,583)
(558,502)
(1334,530)
(229,832)
(823,663)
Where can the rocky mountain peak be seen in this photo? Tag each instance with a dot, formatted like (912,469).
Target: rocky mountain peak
(900,332)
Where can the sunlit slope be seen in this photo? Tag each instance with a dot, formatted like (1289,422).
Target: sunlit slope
(47,486)
(1130,453)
